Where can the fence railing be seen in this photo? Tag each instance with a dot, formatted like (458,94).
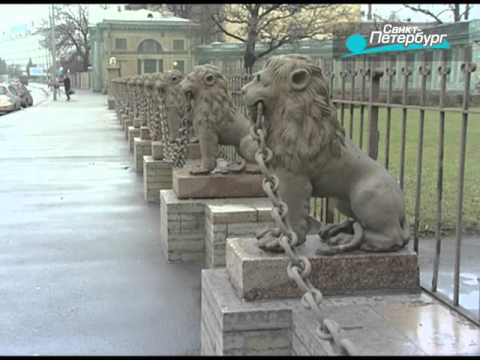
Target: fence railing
(81,80)
(423,145)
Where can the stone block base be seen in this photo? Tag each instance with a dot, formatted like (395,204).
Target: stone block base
(126,125)
(378,325)
(141,148)
(256,274)
(230,327)
(157,150)
(182,228)
(133,132)
(157,175)
(189,186)
(196,230)
(235,218)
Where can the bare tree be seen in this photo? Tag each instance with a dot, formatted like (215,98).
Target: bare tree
(198,13)
(71,33)
(454,10)
(278,24)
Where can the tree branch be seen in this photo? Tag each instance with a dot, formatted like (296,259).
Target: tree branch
(225,31)
(424,11)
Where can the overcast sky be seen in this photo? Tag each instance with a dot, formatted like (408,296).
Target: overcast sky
(17,16)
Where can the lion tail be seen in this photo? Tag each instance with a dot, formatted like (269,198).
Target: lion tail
(354,244)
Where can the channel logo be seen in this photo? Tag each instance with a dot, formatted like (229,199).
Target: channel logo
(392,39)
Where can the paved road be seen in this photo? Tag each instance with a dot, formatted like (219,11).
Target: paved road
(81,269)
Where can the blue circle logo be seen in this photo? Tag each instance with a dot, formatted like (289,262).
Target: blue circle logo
(356,43)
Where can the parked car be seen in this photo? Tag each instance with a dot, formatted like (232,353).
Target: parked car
(8,101)
(22,92)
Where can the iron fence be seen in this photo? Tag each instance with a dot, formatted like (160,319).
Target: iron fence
(416,143)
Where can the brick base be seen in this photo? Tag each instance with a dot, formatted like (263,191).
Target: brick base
(132,134)
(157,175)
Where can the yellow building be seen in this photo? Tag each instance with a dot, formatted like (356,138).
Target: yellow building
(141,42)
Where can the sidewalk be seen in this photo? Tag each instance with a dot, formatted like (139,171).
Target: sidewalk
(81,267)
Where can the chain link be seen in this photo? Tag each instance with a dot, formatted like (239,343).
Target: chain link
(299,267)
(174,150)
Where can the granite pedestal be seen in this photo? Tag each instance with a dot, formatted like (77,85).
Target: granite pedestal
(188,186)
(195,230)
(141,148)
(258,275)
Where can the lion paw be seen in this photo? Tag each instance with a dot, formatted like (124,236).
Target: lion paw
(236,166)
(339,239)
(268,240)
(199,171)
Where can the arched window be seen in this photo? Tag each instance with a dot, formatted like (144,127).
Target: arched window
(149,46)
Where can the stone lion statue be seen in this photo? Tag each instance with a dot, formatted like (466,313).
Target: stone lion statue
(169,88)
(216,121)
(313,157)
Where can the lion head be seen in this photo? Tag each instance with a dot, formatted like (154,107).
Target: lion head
(171,94)
(206,91)
(300,117)
(169,88)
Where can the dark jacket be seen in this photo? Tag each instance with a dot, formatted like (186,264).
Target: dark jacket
(66,83)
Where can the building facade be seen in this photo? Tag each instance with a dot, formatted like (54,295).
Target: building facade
(141,42)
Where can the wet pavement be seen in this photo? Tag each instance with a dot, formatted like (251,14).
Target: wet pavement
(81,268)
(469,295)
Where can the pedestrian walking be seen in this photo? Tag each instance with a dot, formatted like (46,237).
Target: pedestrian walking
(66,84)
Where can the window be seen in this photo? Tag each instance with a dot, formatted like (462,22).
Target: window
(178,45)
(179,65)
(121,44)
(3,90)
(149,47)
(149,66)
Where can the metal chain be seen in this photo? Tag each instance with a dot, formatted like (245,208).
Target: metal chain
(299,267)
(175,150)
(167,150)
(181,142)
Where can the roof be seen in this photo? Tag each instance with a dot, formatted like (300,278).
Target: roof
(143,16)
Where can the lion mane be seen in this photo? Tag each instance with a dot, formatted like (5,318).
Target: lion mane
(214,106)
(304,126)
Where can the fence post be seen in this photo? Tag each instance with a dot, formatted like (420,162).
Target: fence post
(373,134)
